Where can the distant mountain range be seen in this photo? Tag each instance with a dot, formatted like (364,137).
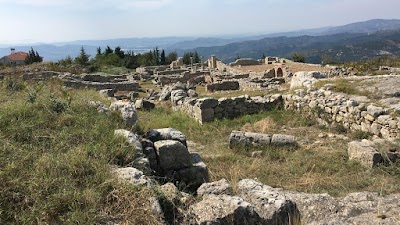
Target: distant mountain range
(337,47)
(342,43)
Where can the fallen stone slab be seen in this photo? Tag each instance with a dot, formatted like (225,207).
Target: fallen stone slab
(271,204)
(363,153)
(144,104)
(166,134)
(133,176)
(107,93)
(215,188)
(249,139)
(223,210)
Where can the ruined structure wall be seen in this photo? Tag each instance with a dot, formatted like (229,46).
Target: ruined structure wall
(208,109)
(337,109)
(328,108)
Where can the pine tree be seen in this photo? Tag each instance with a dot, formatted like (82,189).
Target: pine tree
(98,51)
(156,57)
(196,57)
(83,58)
(33,56)
(119,52)
(172,56)
(108,50)
(162,58)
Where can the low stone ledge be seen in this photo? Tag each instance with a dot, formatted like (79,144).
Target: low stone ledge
(249,139)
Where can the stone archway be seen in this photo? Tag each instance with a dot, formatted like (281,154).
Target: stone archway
(279,72)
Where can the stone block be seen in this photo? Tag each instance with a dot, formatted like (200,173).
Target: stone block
(283,140)
(215,188)
(271,204)
(172,155)
(375,111)
(223,210)
(363,153)
(248,139)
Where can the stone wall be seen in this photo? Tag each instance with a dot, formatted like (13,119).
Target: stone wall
(208,109)
(245,62)
(100,78)
(197,77)
(223,86)
(121,86)
(355,113)
(223,67)
(261,84)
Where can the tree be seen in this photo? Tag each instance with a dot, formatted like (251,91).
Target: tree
(98,51)
(156,57)
(108,50)
(66,61)
(299,57)
(196,57)
(33,56)
(172,56)
(83,58)
(191,57)
(263,56)
(131,60)
(162,58)
(119,52)
(187,58)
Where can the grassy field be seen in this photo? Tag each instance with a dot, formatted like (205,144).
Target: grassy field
(57,151)
(319,165)
(55,160)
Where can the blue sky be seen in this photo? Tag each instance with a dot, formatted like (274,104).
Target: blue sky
(23,21)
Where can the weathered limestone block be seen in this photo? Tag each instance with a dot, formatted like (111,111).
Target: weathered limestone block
(132,176)
(128,112)
(375,111)
(271,204)
(223,86)
(177,96)
(248,139)
(364,154)
(376,128)
(204,115)
(316,209)
(207,103)
(144,104)
(172,155)
(283,140)
(131,138)
(107,92)
(215,188)
(166,134)
(223,210)
(165,93)
(195,175)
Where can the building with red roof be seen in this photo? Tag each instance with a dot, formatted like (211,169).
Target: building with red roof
(14,58)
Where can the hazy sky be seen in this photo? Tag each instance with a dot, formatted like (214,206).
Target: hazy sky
(67,20)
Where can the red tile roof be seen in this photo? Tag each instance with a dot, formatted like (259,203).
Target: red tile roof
(18,56)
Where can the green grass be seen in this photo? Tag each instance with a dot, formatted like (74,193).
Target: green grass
(346,86)
(55,160)
(317,165)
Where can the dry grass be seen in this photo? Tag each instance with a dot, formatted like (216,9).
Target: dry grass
(293,67)
(319,165)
